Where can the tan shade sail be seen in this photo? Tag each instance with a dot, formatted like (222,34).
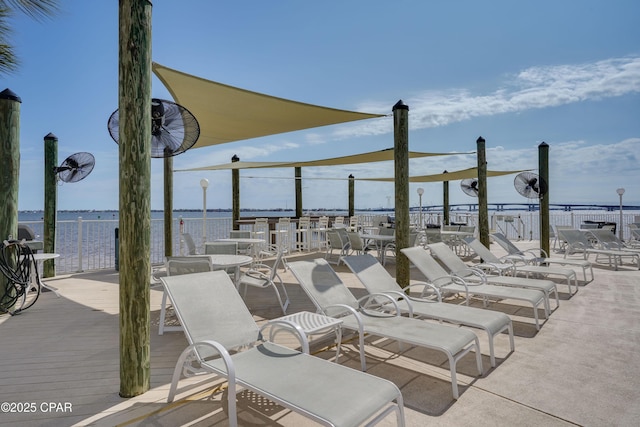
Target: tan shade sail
(373,156)
(227,113)
(449,176)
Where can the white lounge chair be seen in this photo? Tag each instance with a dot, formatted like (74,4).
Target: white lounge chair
(376,279)
(216,323)
(539,257)
(457,267)
(509,266)
(447,283)
(332,297)
(607,240)
(577,242)
(175,266)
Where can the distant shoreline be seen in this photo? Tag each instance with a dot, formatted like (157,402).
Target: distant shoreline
(453,207)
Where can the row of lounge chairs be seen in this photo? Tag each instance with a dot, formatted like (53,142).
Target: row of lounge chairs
(217,324)
(607,246)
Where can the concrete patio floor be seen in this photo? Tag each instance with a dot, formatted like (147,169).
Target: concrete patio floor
(59,362)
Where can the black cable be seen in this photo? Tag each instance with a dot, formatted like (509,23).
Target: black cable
(16,261)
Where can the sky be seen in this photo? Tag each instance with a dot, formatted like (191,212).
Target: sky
(516,73)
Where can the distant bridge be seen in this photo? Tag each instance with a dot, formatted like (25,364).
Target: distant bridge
(529,207)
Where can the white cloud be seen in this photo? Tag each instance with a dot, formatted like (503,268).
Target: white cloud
(533,88)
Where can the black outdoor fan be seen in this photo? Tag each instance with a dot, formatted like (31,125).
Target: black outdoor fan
(75,167)
(173,128)
(530,185)
(470,186)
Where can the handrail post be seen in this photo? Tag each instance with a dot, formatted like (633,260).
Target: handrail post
(79,244)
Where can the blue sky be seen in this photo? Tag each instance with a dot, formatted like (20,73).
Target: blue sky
(516,73)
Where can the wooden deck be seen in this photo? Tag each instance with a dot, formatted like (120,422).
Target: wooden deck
(59,363)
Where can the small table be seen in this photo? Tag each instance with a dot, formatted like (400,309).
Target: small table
(381,240)
(312,324)
(39,259)
(222,261)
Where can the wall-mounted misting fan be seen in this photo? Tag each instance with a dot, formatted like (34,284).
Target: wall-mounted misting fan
(470,186)
(530,185)
(173,128)
(75,167)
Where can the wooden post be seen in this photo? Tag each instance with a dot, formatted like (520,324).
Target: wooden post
(134,103)
(543,168)
(352,181)
(298,172)
(168,205)
(483,207)
(401,164)
(10,169)
(445,201)
(50,202)
(235,190)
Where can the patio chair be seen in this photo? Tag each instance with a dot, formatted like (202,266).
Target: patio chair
(175,266)
(450,284)
(319,234)
(577,242)
(191,245)
(336,244)
(607,240)
(303,234)
(332,297)
(377,280)
(558,242)
(634,229)
(221,248)
(225,340)
(356,244)
(354,223)
(457,267)
(539,257)
(261,275)
(509,266)
(243,248)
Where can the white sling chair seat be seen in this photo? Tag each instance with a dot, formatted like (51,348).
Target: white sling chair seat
(445,282)
(457,267)
(376,279)
(216,321)
(510,267)
(577,242)
(331,296)
(541,257)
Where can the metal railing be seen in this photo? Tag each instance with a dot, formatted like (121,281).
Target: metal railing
(86,245)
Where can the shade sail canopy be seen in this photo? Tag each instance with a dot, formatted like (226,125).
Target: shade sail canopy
(449,176)
(227,113)
(373,156)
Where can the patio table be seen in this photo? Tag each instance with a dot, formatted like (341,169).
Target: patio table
(223,261)
(381,241)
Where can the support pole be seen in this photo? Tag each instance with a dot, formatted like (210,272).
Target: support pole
(483,207)
(401,163)
(445,201)
(50,202)
(352,182)
(235,190)
(543,168)
(134,103)
(10,170)
(298,180)
(168,206)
